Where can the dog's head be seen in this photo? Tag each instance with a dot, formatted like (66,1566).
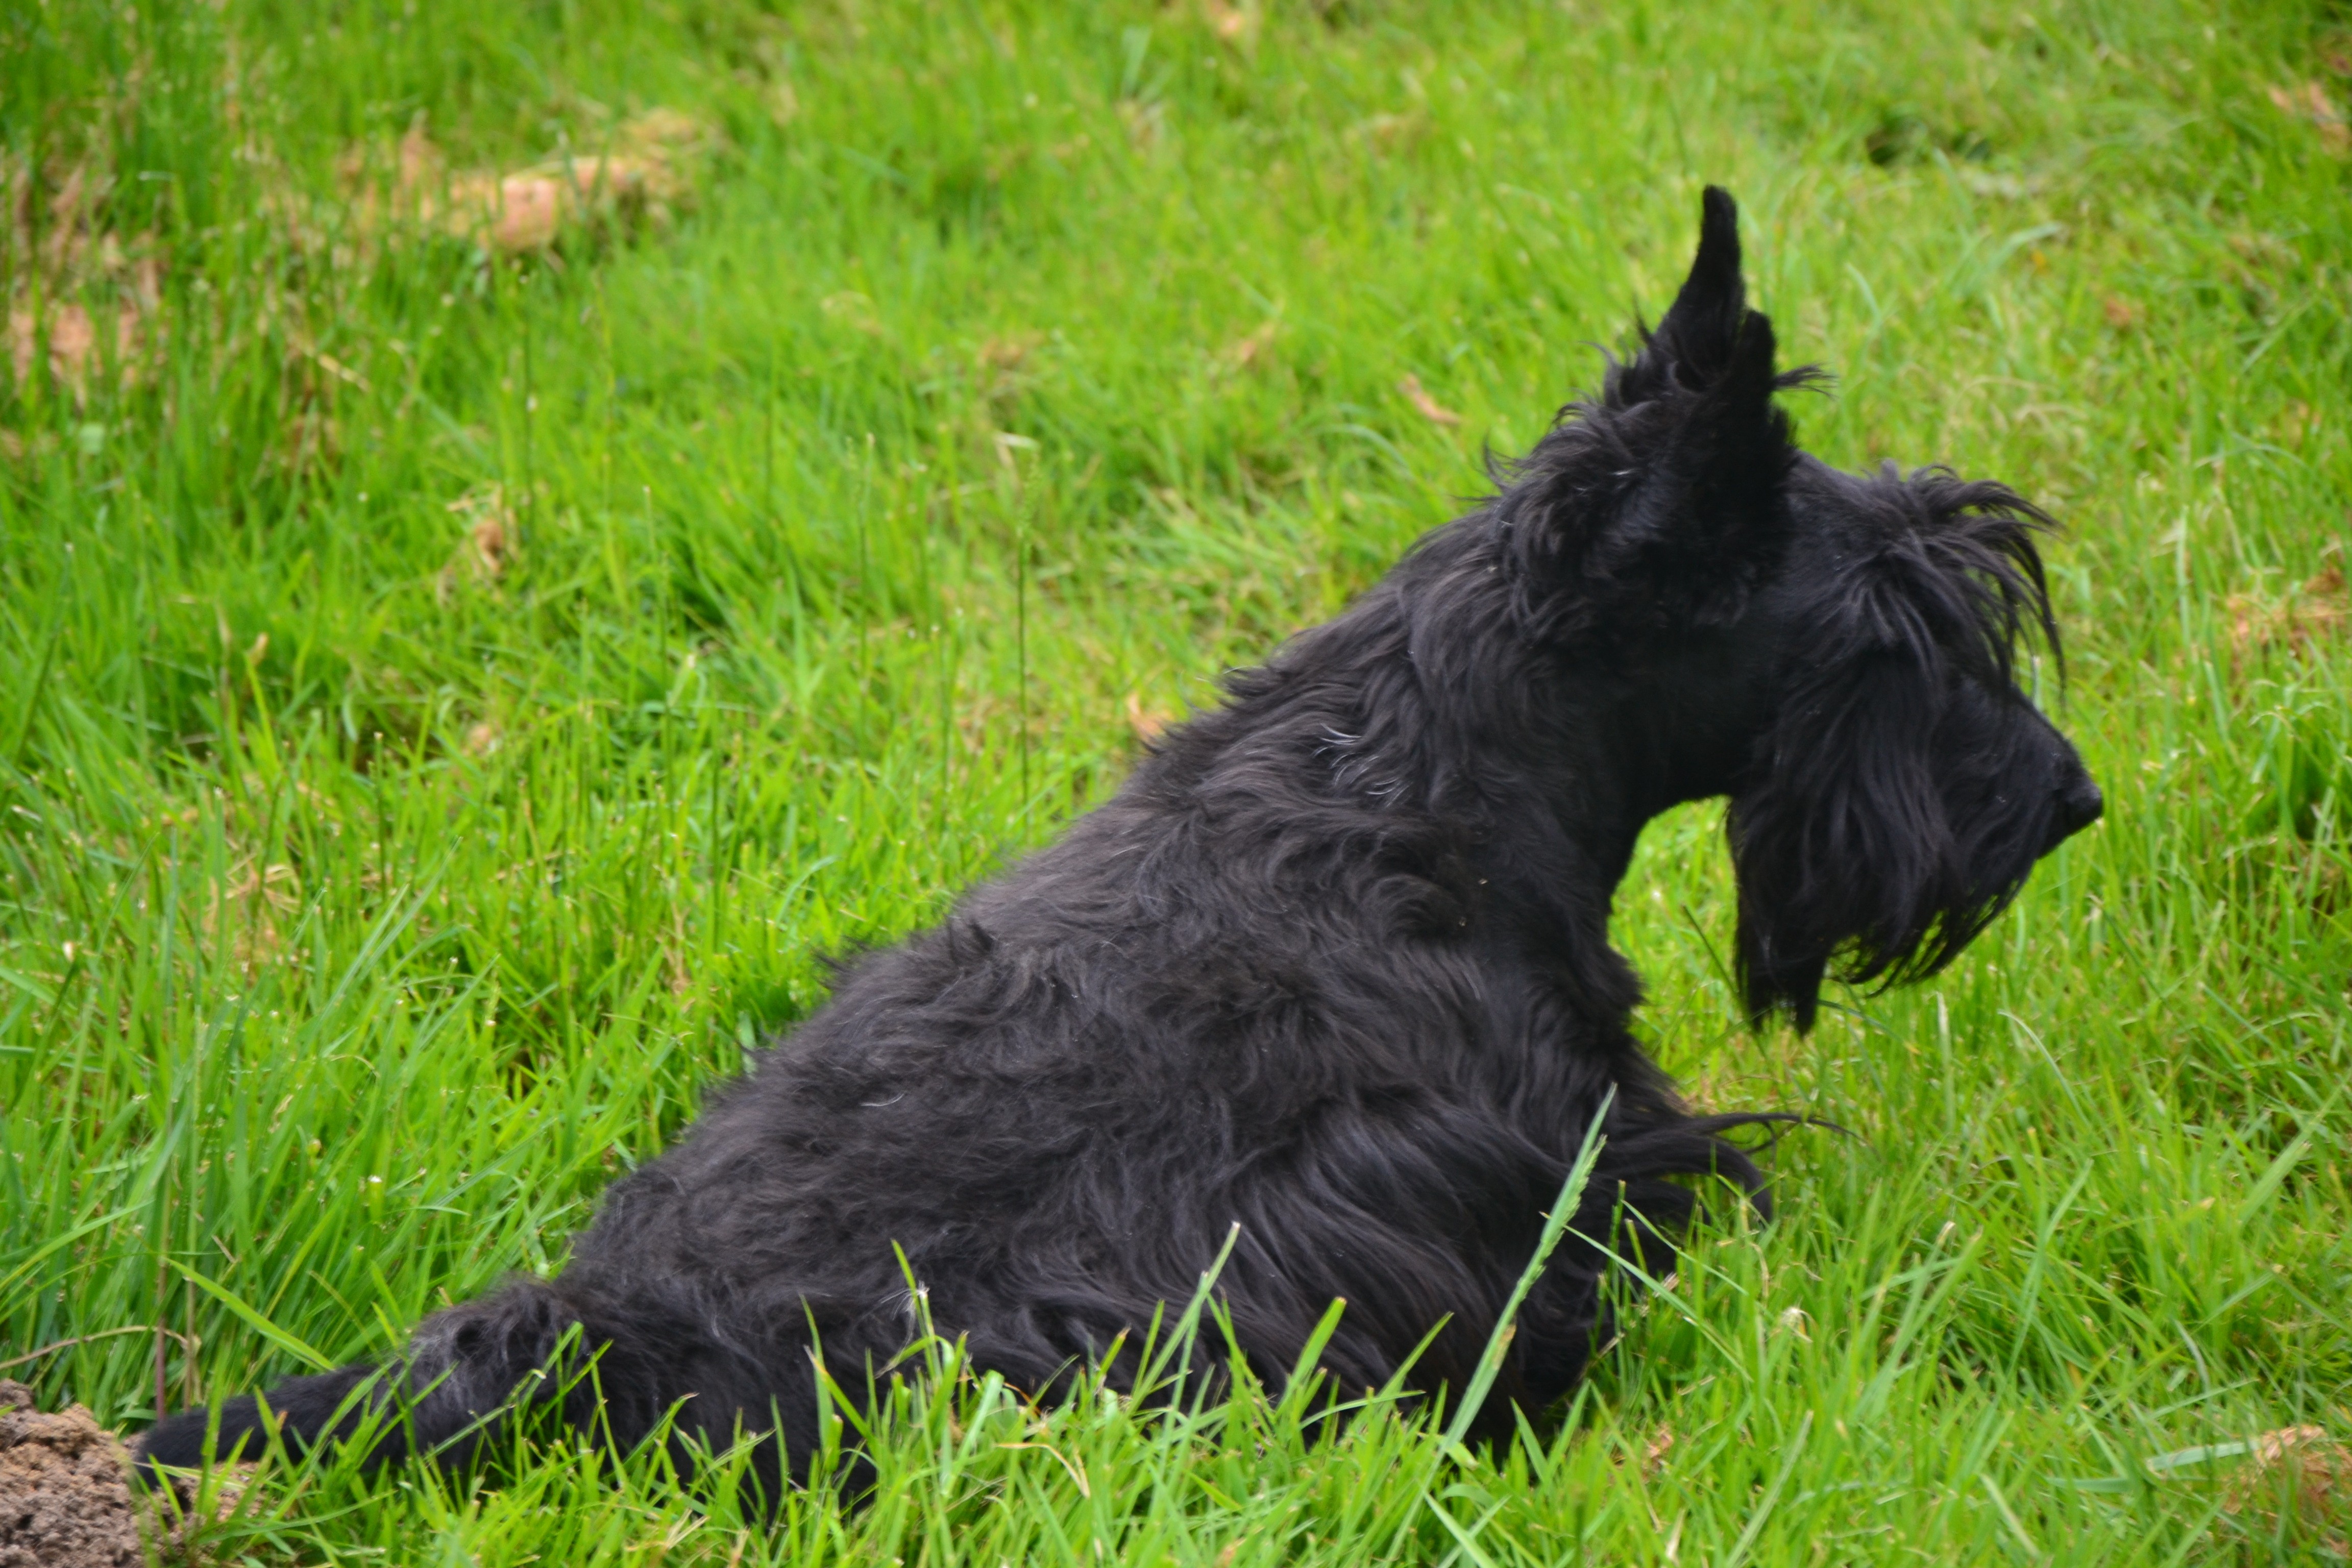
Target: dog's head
(1906,784)
(1891,783)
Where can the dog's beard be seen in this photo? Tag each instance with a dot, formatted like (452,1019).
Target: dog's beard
(1880,874)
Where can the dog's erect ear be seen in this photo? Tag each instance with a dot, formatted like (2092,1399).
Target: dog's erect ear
(1705,507)
(1701,335)
(1659,505)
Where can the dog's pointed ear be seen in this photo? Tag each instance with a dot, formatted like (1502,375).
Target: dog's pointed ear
(1707,328)
(1701,331)
(1662,502)
(1706,509)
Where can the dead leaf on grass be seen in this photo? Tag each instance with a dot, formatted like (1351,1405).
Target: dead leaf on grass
(249,907)
(1236,24)
(1146,724)
(517,212)
(75,340)
(490,536)
(852,309)
(1146,123)
(1244,352)
(2308,101)
(1390,133)
(2319,607)
(1001,361)
(648,169)
(1429,407)
(1006,353)
(2300,1473)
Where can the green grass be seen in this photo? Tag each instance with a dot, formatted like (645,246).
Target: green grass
(368,900)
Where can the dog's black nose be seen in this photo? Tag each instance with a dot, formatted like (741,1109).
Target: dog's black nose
(2080,803)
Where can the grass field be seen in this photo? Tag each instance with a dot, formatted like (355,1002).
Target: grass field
(454,690)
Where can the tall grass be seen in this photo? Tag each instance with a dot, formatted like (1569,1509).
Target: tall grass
(454,698)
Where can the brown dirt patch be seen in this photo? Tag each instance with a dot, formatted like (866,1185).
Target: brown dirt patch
(64,1492)
(65,1501)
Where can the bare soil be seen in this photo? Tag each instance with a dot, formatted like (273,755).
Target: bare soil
(65,1495)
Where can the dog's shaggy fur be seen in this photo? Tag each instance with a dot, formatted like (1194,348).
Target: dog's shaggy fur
(1333,966)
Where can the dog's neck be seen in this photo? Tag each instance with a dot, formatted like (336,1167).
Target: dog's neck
(1548,762)
(1600,766)
(1656,730)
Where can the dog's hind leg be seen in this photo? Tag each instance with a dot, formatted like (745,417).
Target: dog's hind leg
(461,1368)
(305,1409)
(608,1366)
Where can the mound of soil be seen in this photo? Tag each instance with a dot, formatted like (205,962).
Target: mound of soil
(65,1495)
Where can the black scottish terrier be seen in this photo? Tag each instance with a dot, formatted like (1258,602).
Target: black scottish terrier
(1333,967)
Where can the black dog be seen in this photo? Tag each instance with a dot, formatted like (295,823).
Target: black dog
(1334,964)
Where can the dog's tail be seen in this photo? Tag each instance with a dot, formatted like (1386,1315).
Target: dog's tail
(465,1369)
